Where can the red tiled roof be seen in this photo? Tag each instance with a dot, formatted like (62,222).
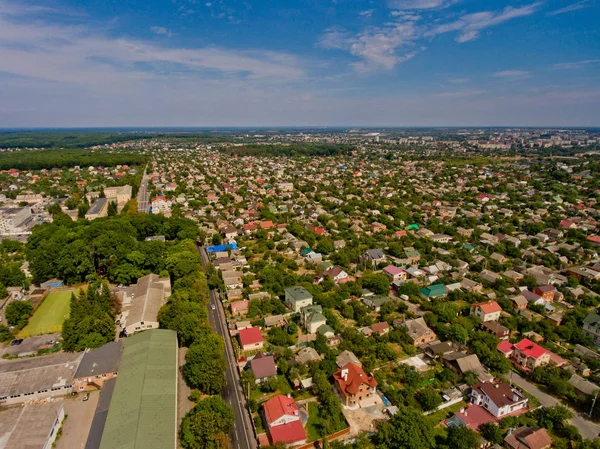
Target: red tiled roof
(380,327)
(489,307)
(279,406)
(250,336)
(355,378)
(475,415)
(289,433)
(530,349)
(505,347)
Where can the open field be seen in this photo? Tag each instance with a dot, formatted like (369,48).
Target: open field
(49,316)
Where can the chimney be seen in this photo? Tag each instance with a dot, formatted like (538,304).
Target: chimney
(289,396)
(344,374)
(462,410)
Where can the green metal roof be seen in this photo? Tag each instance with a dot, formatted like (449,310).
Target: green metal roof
(434,290)
(143,408)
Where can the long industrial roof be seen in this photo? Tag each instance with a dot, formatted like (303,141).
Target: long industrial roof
(143,408)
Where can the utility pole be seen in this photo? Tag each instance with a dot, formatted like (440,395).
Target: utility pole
(593,404)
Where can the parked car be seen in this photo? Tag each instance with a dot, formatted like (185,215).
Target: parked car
(16,342)
(213,307)
(86,396)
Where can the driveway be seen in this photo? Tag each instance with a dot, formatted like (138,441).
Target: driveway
(79,421)
(29,345)
(588,429)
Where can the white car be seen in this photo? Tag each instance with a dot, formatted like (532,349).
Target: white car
(213,307)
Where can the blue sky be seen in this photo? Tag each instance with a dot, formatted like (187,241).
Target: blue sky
(68,63)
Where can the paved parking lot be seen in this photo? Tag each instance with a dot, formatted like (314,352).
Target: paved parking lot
(29,345)
(77,425)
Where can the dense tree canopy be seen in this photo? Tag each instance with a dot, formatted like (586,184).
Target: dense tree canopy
(205,364)
(111,247)
(91,323)
(206,426)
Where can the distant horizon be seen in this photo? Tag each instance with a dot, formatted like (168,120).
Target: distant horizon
(292,127)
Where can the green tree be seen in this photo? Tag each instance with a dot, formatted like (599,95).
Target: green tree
(18,312)
(5,334)
(378,283)
(428,398)
(206,426)
(461,437)
(492,433)
(205,364)
(408,429)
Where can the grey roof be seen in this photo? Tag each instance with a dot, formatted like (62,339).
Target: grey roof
(35,374)
(298,293)
(375,254)
(28,427)
(97,206)
(102,360)
(306,355)
(95,435)
(583,385)
(149,295)
(416,328)
(592,318)
(347,357)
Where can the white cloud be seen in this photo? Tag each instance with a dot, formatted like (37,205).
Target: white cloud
(573,7)
(366,13)
(471,25)
(420,4)
(513,74)
(460,93)
(377,47)
(458,80)
(81,55)
(575,64)
(161,31)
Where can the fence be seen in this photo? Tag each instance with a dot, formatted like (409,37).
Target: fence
(333,436)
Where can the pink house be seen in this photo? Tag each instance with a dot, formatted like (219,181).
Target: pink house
(395,273)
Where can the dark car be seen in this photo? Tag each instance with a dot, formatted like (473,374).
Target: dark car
(16,342)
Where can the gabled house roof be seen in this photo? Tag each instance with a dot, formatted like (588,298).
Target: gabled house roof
(263,366)
(351,376)
(250,336)
(488,307)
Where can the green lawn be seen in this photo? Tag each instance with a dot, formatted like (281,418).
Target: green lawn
(49,316)
(313,425)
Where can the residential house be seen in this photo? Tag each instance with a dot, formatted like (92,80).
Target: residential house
(526,353)
(239,308)
(338,275)
(263,367)
(419,332)
(487,311)
(528,438)
(499,399)
(297,297)
(381,328)
(434,291)
(547,292)
(312,318)
(307,355)
(395,273)
(373,257)
(251,339)
(354,385)
(496,329)
(274,321)
(591,327)
(284,421)
(346,357)
(375,302)
(519,302)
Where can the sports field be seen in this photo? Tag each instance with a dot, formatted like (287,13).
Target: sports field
(49,316)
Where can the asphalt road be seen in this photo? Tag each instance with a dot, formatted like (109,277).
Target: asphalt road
(142,196)
(588,429)
(242,435)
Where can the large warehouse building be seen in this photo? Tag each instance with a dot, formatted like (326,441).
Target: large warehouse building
(143,408)
(36,378)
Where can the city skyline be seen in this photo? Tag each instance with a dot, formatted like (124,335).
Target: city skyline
(337,63)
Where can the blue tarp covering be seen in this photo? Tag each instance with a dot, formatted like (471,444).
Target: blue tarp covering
(214,249)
